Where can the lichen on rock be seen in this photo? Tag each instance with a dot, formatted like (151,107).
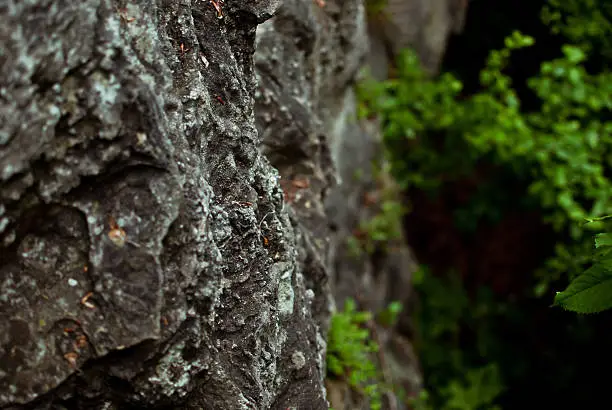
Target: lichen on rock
(141,227)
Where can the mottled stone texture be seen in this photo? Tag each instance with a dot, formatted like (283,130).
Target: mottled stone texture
(176,191)
(307,60)
(147,257)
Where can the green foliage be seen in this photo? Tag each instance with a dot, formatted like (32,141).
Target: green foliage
(559,155)
(388,316)
(348,352)
(386,223)
(460,381)
(375,7)
(584,22)
(384,226)
(561,151)
(478,391)
(482,388)
(591,292)
(350,347)
(562,144)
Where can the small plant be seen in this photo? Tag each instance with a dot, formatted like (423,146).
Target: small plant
(349,352)
(384,202)
(385,226)
(389,315)
(386,223)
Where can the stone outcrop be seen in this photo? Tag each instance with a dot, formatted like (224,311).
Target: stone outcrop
(174,204)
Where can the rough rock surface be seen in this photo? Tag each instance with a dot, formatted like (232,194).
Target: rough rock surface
(174,205)
(307,59)
(148,259)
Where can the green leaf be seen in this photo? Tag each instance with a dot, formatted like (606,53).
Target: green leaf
(573,54)
(590,292)
(603,239)
(334,365)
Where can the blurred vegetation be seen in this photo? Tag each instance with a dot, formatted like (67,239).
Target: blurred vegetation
(544,139)
(351,349)
(563,149)
(349,352)
(461,382)
(384,226)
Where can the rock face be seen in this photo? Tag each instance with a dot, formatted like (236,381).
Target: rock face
(148,258)
(151,254)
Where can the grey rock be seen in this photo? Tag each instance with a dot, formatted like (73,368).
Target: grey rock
(147,258)
(424,25)
(175,195)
